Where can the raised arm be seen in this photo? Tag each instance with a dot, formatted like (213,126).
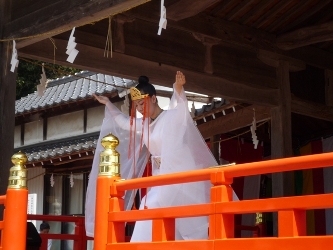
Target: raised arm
(179,82)
(101,99)
(106,101)
(120,118)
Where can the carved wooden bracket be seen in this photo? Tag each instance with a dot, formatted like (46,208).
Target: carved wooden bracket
(208,42)
(272,59)
(119,39)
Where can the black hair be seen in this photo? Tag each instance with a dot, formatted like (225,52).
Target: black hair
(43,226)
(145,87)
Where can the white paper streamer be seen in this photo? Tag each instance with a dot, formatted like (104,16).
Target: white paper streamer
(14,62)
(253,130)
(163,21)
(52,181)
(71,180)
(71,51)
(43,83)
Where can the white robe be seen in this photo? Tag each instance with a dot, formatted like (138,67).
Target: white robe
(177,143)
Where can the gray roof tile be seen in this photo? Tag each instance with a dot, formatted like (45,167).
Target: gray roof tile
(71,88)
(51,149)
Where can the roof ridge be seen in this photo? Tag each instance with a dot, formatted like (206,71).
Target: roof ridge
(69,78)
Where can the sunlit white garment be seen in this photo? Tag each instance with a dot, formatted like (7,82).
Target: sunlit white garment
(177,144)
(118,124)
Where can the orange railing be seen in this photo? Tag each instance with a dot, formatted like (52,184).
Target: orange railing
(110,217)
(14,219)
(79,237)
(13,227)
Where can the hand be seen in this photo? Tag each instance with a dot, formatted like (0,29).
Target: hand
(101,99)
(180,79)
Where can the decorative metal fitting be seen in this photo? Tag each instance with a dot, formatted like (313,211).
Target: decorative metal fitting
(109,164)
(18,173)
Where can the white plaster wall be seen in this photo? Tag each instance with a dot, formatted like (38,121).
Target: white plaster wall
(95,118)
(66,125)
(33,132)
(35,180)
(17,136)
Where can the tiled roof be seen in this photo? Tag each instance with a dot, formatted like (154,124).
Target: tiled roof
(71,88)
(46,151)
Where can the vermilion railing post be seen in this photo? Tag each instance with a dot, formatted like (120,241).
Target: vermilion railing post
(163,229)
(109,172)
(84,238)
(79,244)
(116,230)
(291,223)
(14,234)
(221,226)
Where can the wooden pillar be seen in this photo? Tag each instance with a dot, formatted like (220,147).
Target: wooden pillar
(7,103)
(281,136)
(281,142)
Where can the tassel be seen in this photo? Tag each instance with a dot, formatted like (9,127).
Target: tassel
(108,43)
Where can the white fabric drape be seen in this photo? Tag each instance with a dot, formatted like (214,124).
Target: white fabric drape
(177,142)
(118,124)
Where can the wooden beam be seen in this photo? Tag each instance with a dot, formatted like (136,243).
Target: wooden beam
(190,97)
(298,106)
(311,109)
(272,59)
(233,121)
(186,8)
(242,36)
(306,36)
(62,16)
(216,28)
(312,56)
(131,67)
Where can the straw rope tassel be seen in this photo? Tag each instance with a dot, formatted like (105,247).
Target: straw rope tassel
(108,43)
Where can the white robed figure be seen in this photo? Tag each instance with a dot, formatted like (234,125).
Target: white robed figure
(175,145)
